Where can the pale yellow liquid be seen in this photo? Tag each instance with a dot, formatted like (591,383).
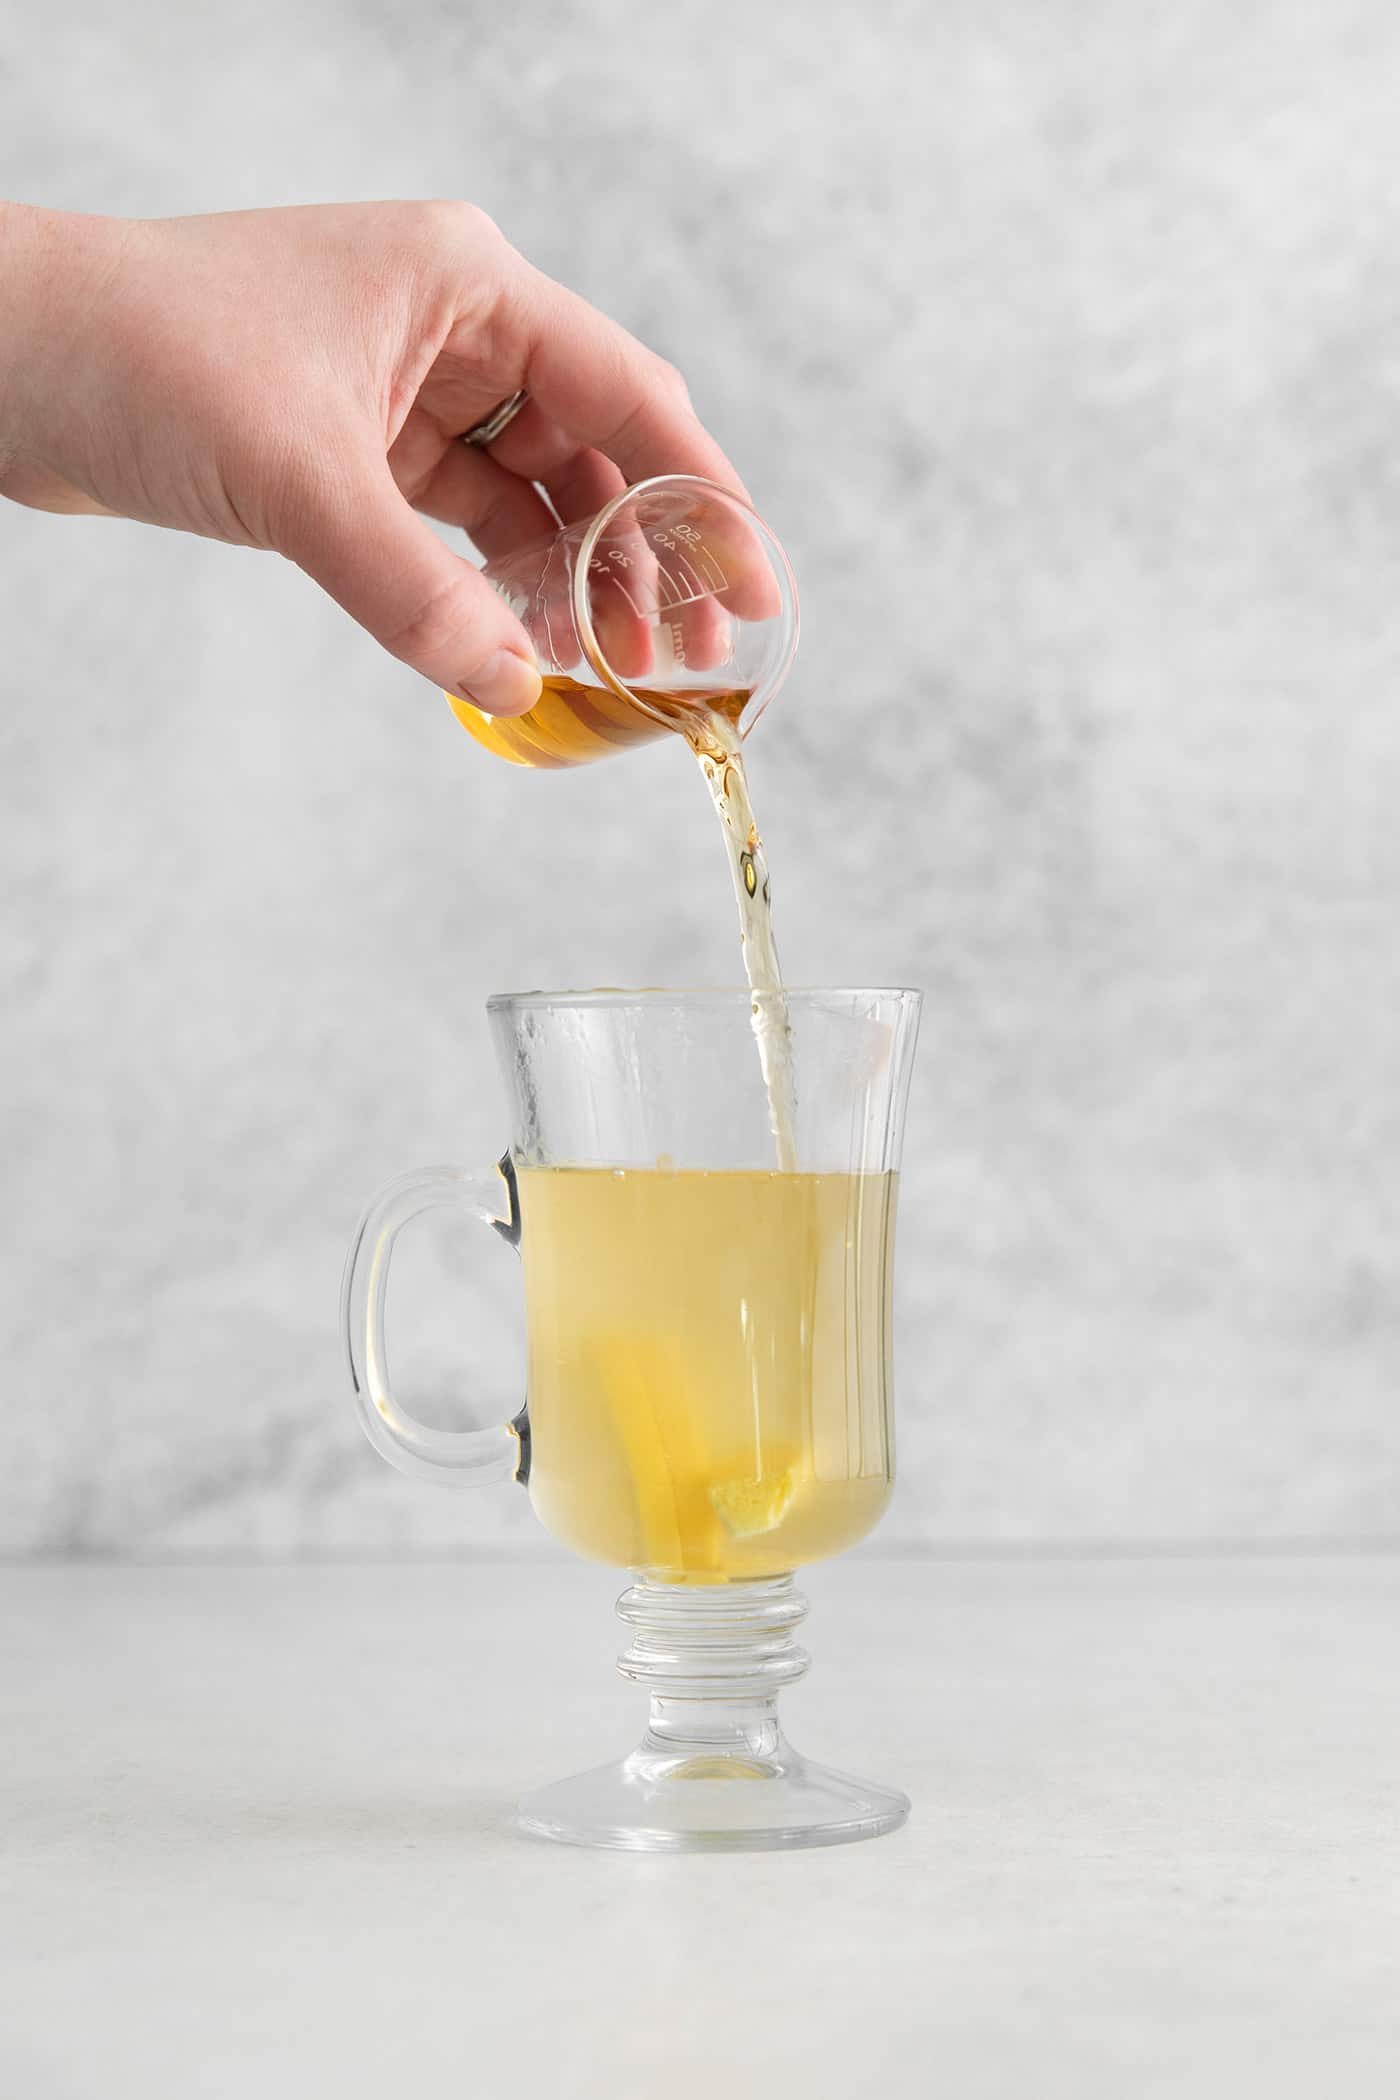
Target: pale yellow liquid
(709,1382)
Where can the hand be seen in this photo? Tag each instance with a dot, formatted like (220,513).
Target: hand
(299,380)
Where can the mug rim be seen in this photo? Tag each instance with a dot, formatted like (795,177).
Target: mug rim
(697,995)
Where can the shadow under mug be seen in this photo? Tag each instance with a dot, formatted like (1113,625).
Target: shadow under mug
(709,1374)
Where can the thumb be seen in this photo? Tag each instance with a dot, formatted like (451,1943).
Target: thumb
(425,604)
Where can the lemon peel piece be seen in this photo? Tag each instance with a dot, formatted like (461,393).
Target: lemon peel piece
(747,1508)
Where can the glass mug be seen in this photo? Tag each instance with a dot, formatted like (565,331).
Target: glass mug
(675,596)
(709,1398)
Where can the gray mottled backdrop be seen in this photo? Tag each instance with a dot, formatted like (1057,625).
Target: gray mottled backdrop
(1061,343)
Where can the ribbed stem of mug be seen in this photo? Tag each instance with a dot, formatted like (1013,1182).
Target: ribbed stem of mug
(714,1771)
(714,1658)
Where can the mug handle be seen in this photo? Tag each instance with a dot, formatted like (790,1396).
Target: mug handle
(452,1457)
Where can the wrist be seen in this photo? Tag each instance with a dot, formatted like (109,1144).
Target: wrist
(52,264)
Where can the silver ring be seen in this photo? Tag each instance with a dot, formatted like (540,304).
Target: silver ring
(490,427)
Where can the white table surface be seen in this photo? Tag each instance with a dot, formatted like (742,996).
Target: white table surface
(254,1841)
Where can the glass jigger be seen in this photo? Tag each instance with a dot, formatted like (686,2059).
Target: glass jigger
(709,1369)
(674,597)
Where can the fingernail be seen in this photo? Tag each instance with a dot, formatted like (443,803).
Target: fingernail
(506,684)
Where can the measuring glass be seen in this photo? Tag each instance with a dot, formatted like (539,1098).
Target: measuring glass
(673,601)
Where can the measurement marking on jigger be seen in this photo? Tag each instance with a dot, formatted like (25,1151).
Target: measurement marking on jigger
(671,592)
(665,605)
(718,581)
(695,576)
(685,538)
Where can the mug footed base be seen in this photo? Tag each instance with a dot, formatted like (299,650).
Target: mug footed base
(714,1772)
(654,1801)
